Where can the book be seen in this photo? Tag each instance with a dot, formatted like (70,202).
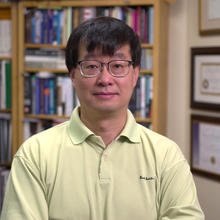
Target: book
(27,93)
(143,108)
(8,84)
(3,85)
(5,137)
(33,126)
(59,105)
(4,174)
(52,96)
(5,37)
(151,25)
(45,58)
(38,17)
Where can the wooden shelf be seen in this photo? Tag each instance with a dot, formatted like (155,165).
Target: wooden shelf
(5,110)
(46,117)
(146,72)
(8,10)
(34,70)
(5,57)
(5,4)
(60,46)
(85,3)
(44,46)
(143,120)
(5,164)
(144,45)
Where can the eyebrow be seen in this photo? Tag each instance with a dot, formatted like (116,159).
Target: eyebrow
(93,55)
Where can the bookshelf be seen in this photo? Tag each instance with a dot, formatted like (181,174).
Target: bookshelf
(158,48)
(8,109)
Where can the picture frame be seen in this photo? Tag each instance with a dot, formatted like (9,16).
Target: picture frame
(205,78)
(205,148)
(209,17)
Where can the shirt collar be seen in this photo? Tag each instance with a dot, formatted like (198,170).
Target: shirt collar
(79,132)
(131,129)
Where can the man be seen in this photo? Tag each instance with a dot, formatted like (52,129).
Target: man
(101,165)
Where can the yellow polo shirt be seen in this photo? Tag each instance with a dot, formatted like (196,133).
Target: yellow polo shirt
(67,173)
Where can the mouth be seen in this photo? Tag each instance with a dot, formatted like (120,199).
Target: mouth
(105,95)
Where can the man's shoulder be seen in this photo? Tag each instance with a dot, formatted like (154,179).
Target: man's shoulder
(44,141)
(159,144)
(56,131)
(152,136)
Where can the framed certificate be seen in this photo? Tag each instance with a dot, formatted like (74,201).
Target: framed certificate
(205,146)
(209,16)
(205,78)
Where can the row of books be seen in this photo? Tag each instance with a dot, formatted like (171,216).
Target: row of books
(54,26)
(5,84)
(5,37)
(4,174)
(33,126)
(48,93)
(146,124)
(146,59)
(141,100)
(52,58)
(48,58)
(5,137)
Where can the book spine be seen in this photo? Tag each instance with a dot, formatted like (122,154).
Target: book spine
(8,84)
(46,96)
(59,95)
(27,93)
(151,25)
(38,96)
(33,94)
(50,26)
(52,96)
(3,85)
(143,96)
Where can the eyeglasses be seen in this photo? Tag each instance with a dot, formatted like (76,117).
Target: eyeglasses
(117,68)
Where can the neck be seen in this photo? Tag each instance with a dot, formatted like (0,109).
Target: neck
(106,125)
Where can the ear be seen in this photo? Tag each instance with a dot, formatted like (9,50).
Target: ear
(72,76)
(72,73)
(136,75)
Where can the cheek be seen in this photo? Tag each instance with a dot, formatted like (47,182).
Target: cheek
(132,82)
(82,86)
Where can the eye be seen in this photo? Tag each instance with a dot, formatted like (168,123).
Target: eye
(91,66)
(117,65)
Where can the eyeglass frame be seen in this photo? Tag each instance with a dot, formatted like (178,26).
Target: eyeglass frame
(130,62)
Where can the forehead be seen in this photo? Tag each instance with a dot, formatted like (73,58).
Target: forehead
(121,53)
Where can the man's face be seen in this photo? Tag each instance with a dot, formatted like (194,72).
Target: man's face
(104,93)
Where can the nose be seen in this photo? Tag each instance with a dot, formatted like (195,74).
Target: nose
(105,77)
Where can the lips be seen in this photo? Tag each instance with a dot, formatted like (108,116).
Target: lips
(105,95)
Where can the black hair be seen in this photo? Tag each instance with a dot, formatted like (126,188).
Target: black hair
(106,34)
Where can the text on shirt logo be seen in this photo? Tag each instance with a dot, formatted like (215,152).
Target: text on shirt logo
(146,178)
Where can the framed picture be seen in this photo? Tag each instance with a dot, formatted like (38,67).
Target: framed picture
(205,146)
(209,16)
(205,78)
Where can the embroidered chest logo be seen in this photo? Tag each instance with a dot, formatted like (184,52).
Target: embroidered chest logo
(146,178)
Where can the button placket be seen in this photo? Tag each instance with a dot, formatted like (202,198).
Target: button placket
(105,167)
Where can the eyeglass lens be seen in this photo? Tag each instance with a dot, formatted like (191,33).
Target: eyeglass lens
(116,67)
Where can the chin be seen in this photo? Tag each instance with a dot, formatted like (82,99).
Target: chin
(109,109)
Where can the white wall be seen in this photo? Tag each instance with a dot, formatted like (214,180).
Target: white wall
(184,34)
